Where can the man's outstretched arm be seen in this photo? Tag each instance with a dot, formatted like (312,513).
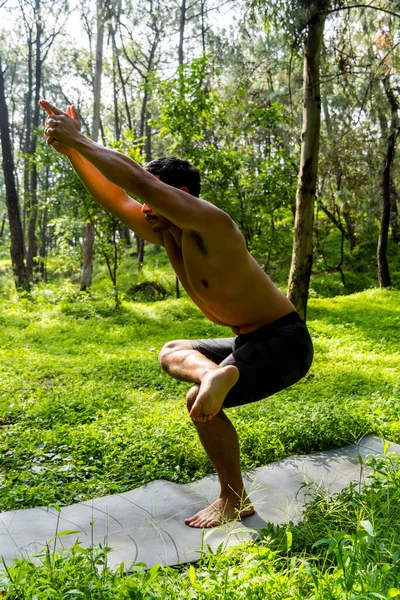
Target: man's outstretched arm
(182,209)
(112,197)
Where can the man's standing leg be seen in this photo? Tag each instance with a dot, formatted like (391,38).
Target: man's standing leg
(217,435)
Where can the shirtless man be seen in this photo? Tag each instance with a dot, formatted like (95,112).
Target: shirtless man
(272,348)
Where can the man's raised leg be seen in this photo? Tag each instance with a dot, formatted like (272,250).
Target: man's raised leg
(216,433)
(181,361)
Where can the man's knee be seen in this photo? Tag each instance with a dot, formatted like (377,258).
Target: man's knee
(170,348)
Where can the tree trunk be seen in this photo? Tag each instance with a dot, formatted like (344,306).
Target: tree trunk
(300,271)
(394,215)
(145,130)
(43,245)
(182,33)
(203,25)
(28,129)
(17,239)
(140,250)
(43,232)
(148,139)
(383,267)
(117,126)
(124,230)
(113,16)
(3,224)
(87,270)
(348,219)
(143,115)
(98,72)
(123,83)
(33,198)
(88,246)
(125,234)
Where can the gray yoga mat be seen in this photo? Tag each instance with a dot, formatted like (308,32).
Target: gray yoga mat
(146,524)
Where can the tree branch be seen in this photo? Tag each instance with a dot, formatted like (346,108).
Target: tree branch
(378,8)
(333,218)
(372,79)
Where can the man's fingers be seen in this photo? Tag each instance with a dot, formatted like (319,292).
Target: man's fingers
(71,112)
(74,113)
(46,108)
(49,108)
(49,125)
(51,121)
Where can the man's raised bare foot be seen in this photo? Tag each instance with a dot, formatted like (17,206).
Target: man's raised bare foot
(219,512)
(214,387)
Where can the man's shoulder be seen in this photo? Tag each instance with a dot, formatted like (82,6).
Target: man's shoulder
(217,219)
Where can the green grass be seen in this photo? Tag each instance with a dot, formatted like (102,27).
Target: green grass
(85,408)
(86,411)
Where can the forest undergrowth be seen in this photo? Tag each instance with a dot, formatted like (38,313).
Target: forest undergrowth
(85,411)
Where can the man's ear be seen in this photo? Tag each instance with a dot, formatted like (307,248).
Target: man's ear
(184,189)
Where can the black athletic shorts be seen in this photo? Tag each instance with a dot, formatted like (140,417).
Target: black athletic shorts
(269,359)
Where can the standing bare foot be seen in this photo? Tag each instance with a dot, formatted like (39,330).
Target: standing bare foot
(219,512)
(214,387)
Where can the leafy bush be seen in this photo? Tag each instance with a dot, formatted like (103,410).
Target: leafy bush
(147,291)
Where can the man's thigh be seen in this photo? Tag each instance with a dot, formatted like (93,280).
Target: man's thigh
(217,349)
(269,361)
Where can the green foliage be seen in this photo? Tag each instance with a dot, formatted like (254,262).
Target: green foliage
(236,144)
(85,409)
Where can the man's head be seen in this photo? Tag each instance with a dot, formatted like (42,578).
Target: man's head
(176,172)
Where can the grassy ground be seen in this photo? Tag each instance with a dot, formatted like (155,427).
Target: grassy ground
(86,411)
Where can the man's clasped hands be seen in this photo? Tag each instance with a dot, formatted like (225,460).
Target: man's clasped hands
(61,127)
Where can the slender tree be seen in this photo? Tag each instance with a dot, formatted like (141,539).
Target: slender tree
(300,271)
(143,59)
(87,270)
(349,231)
(33,197)
(40,40)
(17,239)
(393,133)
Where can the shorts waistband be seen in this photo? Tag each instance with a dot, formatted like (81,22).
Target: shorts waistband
(291,317)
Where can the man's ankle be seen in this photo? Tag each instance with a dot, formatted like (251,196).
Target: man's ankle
(234,498)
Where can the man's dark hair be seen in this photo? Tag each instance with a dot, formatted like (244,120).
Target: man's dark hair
(176,172)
